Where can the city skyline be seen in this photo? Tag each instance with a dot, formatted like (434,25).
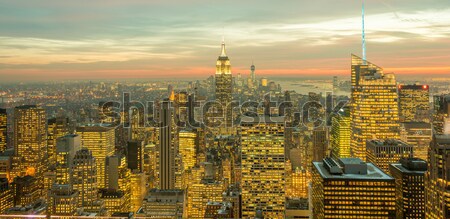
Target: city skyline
(315,110)
(140,39)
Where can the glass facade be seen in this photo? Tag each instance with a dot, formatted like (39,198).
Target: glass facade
(374,105)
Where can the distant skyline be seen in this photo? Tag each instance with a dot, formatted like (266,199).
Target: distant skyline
(112,39)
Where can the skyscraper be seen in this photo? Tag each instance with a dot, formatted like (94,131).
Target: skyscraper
(340,134)
(117,173)
(224,87)
(252,74)
(63,199)
(26,190)
(374,106)
(135,155)
(166,150)
(118,178)
(417,134)
(351,188)
(387,151)
(85,181)
(263,166)
(180,105)
(56,127)
(320,143)
(3,130)
(66,147)
(441,113)
(199,194)
(6,195)
(296,182)
(187,139)
(100,141)
(138,189)
(329,104)
(414,102)
(30,139)
(437,179)
(335,84)
(410,190)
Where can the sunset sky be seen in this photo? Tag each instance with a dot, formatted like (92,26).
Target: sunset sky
(112,39)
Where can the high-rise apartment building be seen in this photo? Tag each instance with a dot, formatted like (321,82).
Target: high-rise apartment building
(374,105)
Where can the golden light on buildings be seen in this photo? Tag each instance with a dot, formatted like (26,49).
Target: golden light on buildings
(187,148)
(263,166)
(374,105)
(350,188)
(99,140)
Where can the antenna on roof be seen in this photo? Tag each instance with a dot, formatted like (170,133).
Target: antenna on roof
(363,36)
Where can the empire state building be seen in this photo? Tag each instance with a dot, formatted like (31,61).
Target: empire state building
(224,86)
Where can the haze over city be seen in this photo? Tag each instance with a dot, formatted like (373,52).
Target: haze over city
(48,40)
(232,109)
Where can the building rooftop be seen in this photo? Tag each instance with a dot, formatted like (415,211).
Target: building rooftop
(386,142)
(442,140)
(36,209)
(167,196)
(122,214)
(373,172)
(262,119)
(93,128)
(411,166)
(297,204)
(417,125)
(413,86)
(111,193)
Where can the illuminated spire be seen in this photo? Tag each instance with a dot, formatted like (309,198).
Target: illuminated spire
(223,53)
(363,36)
(172,96)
